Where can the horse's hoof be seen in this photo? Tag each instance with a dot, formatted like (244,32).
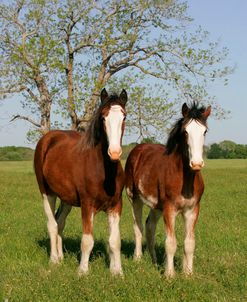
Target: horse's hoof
(117,273)
(170,274)
(82,273)
(54,260)
(137,257)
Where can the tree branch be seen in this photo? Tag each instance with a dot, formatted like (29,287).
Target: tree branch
(26,118)
(20,89)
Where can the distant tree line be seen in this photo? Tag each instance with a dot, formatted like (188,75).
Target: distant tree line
(12,153)
(226,149)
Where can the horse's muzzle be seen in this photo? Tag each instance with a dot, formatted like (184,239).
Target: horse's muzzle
(115,155)
(197,166)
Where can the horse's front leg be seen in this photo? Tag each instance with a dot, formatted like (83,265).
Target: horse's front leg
(169,215)
(114,239)
(87,241)
(190,218)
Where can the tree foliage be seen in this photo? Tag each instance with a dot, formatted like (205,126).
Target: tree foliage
(227,149)
(59,54)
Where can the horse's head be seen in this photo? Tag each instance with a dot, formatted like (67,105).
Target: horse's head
(194,130)
(113,115)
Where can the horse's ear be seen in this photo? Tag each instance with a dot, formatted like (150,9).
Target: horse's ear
(207,112)
(123,97)
(103,95)
(185,110)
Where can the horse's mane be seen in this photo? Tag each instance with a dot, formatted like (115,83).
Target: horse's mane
(92,134)
(196,113)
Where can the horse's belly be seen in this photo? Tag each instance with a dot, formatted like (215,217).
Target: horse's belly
(64,189)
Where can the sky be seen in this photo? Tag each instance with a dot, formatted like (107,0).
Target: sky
(225,20)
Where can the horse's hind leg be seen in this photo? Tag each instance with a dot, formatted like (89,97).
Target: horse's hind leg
(61,215)
(138,227)
(151,223)
(49,207)
(190,218)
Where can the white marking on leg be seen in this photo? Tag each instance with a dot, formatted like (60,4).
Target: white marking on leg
(114,243)
(151,223)
(189,243)
(170,246)
(138,227)
(61,216)
(49,207)
(87,243)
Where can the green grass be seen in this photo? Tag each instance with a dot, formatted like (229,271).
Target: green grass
(220,256)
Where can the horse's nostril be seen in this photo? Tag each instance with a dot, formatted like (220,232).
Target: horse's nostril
(114,155)
(196,165)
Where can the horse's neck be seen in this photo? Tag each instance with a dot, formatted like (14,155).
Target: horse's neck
(109,165)
(187,173)
(110,169)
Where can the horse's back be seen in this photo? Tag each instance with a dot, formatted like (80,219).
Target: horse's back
(144,155)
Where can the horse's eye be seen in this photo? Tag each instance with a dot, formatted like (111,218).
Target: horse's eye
(186,133)
(205,132)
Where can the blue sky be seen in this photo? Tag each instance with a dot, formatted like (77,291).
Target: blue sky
(226,20)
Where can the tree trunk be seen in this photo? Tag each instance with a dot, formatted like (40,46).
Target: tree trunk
(71,103)
(44,104)
(89,109)
(91,104)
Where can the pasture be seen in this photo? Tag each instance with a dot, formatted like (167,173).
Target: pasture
(220,257)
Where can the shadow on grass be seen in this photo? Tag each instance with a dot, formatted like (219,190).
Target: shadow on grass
(100,250)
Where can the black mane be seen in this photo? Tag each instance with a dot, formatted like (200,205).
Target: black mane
(195,112)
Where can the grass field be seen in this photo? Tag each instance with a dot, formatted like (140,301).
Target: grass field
(220,256)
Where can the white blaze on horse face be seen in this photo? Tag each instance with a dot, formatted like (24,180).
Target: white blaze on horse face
(113,125)
(195,139)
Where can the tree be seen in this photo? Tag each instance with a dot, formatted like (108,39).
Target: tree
(227,149)
(61,54)
(214,151)
(26,65)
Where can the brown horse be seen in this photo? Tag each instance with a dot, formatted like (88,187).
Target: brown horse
(168,180)
(84,170)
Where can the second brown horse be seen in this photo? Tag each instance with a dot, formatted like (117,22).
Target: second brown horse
(168,180)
